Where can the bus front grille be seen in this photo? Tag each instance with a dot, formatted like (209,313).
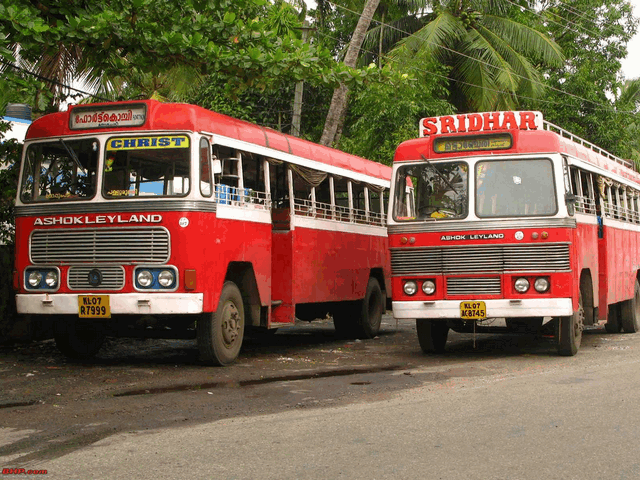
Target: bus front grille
(112,278)
(479,259)
(473,286)
(97,245)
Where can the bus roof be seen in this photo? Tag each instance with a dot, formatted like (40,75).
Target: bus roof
(180,116)
(530,133)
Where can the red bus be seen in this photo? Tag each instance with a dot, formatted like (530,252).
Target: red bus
(517,223)
(168,220)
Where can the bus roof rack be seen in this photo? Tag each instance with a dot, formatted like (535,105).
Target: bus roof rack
(561,131)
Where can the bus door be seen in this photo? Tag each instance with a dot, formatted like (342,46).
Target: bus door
(282,307)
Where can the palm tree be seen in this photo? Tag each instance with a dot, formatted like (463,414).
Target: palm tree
(488,49)
(338,105)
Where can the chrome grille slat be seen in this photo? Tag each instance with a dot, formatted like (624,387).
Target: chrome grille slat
(95,245)
(112,278)
(481,259)
(473,286)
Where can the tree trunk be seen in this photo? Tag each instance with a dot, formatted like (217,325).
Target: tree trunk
(340,94)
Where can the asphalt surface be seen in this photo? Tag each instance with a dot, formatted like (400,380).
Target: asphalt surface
(52,409)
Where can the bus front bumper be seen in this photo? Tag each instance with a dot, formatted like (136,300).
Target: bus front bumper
(502,308)
(120,304)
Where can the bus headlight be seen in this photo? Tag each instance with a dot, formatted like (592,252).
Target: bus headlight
(35,278)
(145,278)
(166,278)
(428,287)
(410,287)
(522,285)
(541,284)
(51,279)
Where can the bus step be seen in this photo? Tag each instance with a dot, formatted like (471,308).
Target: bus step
(276,303)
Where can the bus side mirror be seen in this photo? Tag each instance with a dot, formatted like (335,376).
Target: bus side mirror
(571,200)
(217,166)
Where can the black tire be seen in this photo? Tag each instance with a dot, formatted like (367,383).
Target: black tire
(78,338)
(613,325)
(432,335)
(630,311)
(371,310)
(569,331)
(220,333)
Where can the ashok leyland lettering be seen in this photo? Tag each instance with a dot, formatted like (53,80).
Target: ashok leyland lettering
(517,223)
(171,221)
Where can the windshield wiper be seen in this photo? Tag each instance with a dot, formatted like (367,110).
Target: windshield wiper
(72,154)
(439,174)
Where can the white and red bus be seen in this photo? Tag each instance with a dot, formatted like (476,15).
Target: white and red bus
(168,220)
(517,222)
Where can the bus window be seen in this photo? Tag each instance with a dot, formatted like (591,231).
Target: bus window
(60,171)
(279,181)
(515,188)
(302,189)
(440,191)
(341,192)
(588,192)
(205,168)
(323,198)
(359,202)
(253,173)
(144,166)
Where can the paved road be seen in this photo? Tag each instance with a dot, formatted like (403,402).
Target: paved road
(510,408)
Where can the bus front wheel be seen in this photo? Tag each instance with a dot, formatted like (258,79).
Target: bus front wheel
(432,335)
(220,333)
(78,338)
(630,311)
(569,331)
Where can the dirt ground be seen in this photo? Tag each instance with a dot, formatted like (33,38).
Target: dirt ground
(50,405)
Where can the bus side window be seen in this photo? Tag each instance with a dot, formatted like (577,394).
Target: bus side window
(253,179)
(302,194)
(359,202)
(323,199)
(576,189)
(341,192)
(206,180)
(279,181)
(588,192)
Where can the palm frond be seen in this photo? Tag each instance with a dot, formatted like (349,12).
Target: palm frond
(526,77)
(444,29)
(525,39)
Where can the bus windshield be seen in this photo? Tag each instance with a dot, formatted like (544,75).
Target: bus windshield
(60,170)
(432,191)
(145,166)
(515,188)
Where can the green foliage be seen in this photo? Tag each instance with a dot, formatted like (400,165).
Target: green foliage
(247,42)
(384,114)
(492,50)
(10,151)
(582,100)
(272,107)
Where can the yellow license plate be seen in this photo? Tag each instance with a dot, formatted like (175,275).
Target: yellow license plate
(94,306)
(473,310)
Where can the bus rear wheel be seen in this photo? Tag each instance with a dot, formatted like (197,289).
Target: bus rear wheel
(432,335)
(361,319)
(569,331)
(630,311)
(78,338)
(613,325)
(220,333)
(371,309)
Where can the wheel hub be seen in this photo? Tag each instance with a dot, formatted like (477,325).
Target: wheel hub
(230,324)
